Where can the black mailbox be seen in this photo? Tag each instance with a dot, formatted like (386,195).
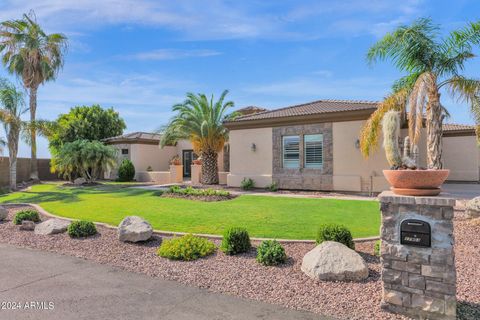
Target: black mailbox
(415,233)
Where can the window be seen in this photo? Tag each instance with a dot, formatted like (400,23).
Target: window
(291,151)
(124,151)
(313,144)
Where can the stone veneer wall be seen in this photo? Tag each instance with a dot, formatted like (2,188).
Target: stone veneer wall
(419,282)
(303,178)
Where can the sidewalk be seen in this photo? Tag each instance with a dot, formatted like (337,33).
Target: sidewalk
(80,289)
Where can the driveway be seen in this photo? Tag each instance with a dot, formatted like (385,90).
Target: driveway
(61,287)
(462,190)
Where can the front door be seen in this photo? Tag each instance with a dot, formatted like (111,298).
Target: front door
(188,156)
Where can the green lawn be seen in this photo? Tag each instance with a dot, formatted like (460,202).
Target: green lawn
(263,216)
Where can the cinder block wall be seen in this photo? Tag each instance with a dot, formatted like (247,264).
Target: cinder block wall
(23,170)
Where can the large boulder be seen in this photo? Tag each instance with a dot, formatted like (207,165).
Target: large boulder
(333,261)
(3,213)
(52,226)
(79,181)
(27,225)
(134,229)
(472,208)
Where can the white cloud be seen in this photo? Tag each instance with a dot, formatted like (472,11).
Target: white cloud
(171,54)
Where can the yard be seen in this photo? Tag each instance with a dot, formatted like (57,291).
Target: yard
(263,216)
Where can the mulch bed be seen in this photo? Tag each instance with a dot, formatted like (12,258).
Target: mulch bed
(242,276)
(197,198)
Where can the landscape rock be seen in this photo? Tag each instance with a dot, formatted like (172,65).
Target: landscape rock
(52,226)
(134,229)
(3,213)
(472,208)
(27,225)
(79,181)
(333,261)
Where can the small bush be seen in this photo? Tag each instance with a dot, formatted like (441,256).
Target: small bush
(235,240)
(29,215)
(247,184)
(273,187)
(186,248)
(126,171)
(335,232)
(189,191)
(377,248)
(81,228)
(271,253)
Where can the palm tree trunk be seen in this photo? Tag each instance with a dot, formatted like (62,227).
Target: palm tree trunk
(12,157)
(209,167)
(33,136)
(434,131)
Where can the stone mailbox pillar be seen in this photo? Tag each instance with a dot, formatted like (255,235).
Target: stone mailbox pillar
(418,269)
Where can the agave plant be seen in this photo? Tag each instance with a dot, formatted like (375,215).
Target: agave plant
(200,120)
(432,65)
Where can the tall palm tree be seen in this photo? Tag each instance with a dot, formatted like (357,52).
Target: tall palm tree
(432,64)
(12,107)
(200,120)
(35,57)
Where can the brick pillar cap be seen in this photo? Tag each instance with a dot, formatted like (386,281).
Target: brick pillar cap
(443,199)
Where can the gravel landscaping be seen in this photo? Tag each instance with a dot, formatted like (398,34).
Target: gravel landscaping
(241,275)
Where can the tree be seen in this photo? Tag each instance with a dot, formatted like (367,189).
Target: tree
(85,123)
(11,110)
(87,158)
(432,65)
(200,120)
(35,57)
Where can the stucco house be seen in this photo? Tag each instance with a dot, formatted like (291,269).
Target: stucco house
(151,162)
(315,146)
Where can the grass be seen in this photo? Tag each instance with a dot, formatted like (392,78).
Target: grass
(263,216)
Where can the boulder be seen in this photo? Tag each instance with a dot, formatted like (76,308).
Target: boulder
(472,208)
(79,181)
(3,213)
(333,261)
(52,226)
(27,225)
(134,229)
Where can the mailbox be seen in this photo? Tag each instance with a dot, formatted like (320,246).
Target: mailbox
(415,233)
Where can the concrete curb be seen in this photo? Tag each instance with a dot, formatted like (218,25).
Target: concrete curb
(172,233)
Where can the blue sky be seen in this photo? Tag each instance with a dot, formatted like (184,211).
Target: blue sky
(141,56)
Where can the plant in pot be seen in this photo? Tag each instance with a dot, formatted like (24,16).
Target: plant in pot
(197,161)
(405,176)
(176,161)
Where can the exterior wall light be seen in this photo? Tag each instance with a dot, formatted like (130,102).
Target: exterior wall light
(357,144)
(253,147)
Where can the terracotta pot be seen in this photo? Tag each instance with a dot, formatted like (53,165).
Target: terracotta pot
(416,182)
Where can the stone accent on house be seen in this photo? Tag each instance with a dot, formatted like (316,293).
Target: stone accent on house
(304,178)
(419,282)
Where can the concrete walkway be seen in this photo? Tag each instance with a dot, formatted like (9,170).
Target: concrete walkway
(80,289)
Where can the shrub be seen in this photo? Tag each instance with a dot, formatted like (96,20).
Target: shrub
(29,215)
(377,248)
(273,187)
(271,253)
(189,191)
(126,171)
(247,184)
(81,228)
(186,248)
(335,232)
(235,240)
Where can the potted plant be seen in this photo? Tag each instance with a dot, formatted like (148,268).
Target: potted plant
(176,161)
(197,161)
(405,176)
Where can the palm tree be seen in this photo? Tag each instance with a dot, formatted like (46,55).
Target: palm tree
(200,120)
(35,57)
(11,110)
(432,64)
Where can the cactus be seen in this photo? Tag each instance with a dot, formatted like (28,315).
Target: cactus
(406,147)
(391,132)
(415,155)
(407,159)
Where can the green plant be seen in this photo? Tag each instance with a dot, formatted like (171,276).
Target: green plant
(235,240)
(197,192)
(187,248)
(271,253)
(377,248)
(335,232)
(247,184)
(126,171)
(273,187)
(81,228)
(26,215)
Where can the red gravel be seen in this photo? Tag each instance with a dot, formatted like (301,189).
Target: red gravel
(243,276)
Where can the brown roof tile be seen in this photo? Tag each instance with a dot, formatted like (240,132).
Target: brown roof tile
(457,127)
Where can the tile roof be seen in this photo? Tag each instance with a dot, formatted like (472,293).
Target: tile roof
(457,127)
(310,108)
(135,136)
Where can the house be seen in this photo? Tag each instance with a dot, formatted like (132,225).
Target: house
(315,146)
(151,162)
